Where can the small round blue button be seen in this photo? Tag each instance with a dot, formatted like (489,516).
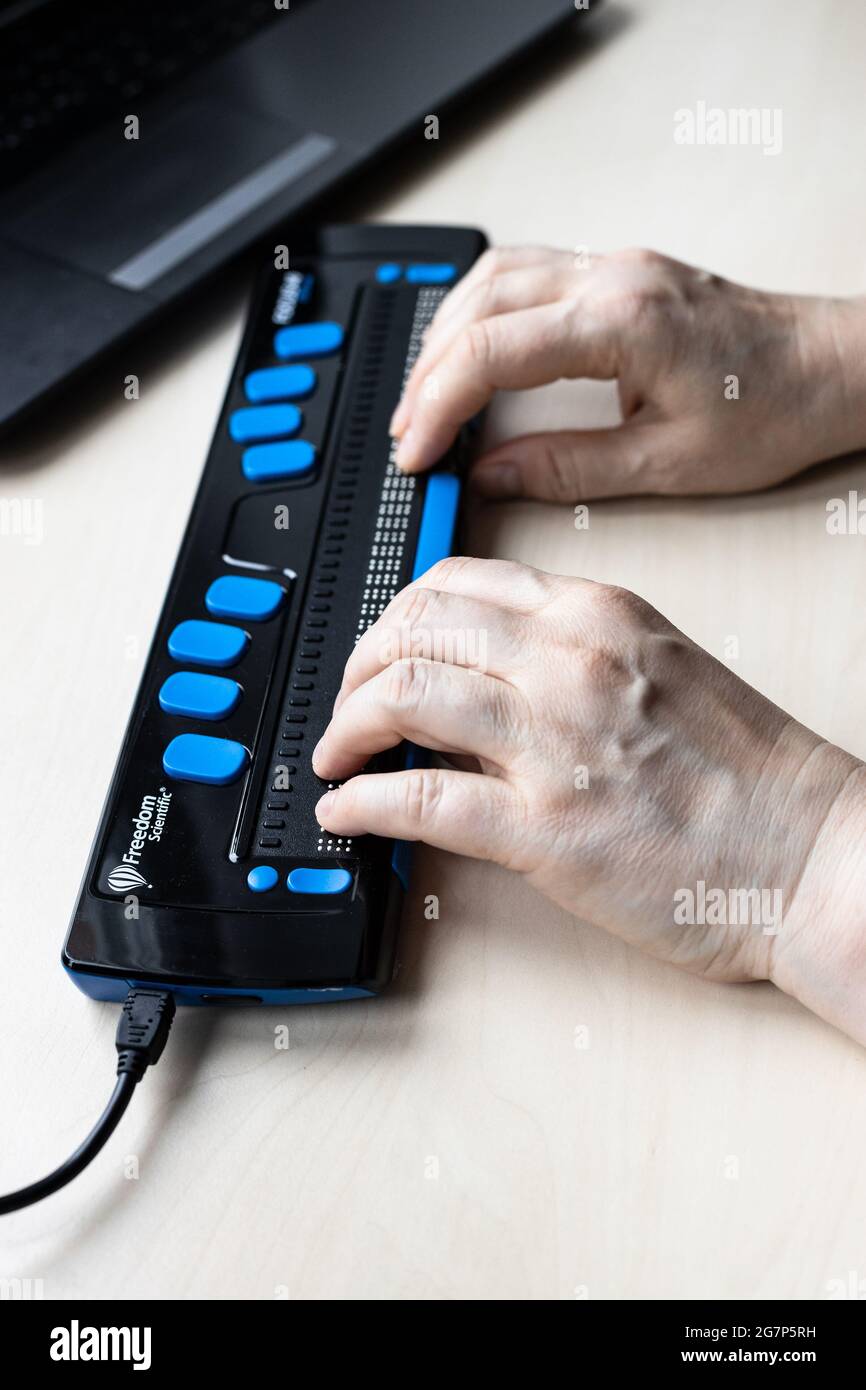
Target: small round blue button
(390,272)
(262,878)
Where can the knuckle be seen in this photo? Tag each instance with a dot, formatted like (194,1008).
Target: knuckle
(484,297)
(412,606)
(445,571)
(515,585)
(621,603)
(476,345)
(599,667)
(640,256)
(630,286)
(495,260)
(611,604)
(422,795)
(492,262)
(627,304)
(504,717)
(560,471)
(406,684)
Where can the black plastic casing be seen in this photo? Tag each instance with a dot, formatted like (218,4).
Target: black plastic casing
(191,923)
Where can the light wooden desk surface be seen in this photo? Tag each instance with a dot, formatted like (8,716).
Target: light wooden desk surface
(709,1140)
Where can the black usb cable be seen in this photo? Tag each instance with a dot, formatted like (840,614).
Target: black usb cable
(145,1021)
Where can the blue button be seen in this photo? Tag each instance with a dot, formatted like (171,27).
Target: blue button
(387,274)
(199,696)
(234,597)
(207,644)
(280,383)
(308,340)
(200,758)
(431,274)
(319,880)
(263,462)
(438,519)
(264,422)
(262,878)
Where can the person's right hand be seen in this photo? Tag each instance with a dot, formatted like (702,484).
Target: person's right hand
(618,767)
(722,388)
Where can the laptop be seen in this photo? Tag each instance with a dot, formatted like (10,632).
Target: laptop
(144,145)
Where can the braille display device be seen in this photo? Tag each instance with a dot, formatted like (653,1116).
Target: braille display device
(210,876)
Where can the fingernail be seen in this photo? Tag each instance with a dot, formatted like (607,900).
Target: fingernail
(496,479)
(407,451)
(316,751)
(398,419)
(339,700)
(325,805)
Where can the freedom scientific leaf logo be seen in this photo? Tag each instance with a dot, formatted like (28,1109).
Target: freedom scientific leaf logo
(124,878)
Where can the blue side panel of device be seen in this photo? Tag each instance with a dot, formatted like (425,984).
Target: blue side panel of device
(436,534)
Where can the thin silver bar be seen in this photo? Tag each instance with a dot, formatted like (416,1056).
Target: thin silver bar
(202,226)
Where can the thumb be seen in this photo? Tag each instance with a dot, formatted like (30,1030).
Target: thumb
(568,466)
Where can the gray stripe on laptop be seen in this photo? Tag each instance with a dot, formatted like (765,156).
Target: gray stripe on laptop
(172,247)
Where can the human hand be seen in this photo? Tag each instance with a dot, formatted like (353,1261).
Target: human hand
(601,754)
(722,388)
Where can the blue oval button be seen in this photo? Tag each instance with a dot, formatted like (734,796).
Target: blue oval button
(199,696)
(280,383)
(431,274)
(235,597)
(264,422)
(265,462)
(201,758)
(207,644)
(308,340)
(262,878)
(319,880)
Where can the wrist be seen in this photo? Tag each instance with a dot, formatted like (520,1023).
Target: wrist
(819,956)
(831,344)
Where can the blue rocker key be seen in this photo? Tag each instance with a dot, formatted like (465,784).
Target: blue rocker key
(199,696)
(318,881)
(431,274)
(287,383)
(207,644)
(264,463)
(235,597)
(308,340)
(202,758)
(264,422)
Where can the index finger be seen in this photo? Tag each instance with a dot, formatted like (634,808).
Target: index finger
(513,352)
(493,265)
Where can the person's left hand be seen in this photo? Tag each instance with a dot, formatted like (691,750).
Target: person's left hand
(599,752)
